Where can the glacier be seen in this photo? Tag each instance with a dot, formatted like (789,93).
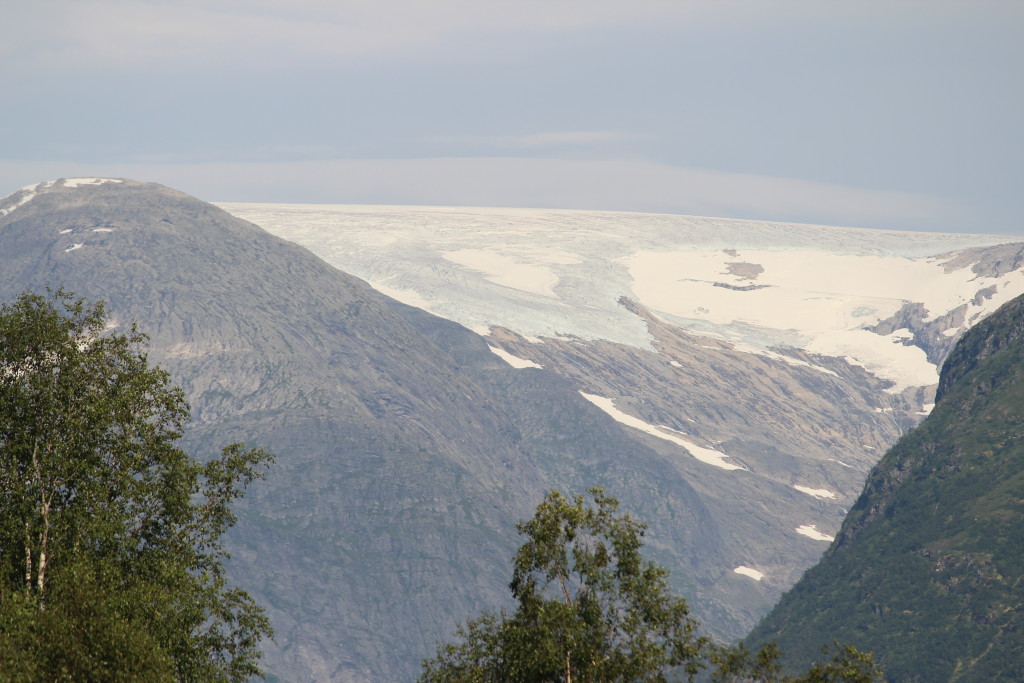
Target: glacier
(561,274)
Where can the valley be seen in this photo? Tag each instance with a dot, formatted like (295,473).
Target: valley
(425,375)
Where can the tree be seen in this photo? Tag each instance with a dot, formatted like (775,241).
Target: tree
(590,608)
(847,665)
(111,552)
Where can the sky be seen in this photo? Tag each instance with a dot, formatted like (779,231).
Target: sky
(901,114)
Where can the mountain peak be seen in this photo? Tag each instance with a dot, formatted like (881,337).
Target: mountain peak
(26,194)
(70,191)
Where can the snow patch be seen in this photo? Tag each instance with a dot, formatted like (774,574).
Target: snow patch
(507,271)
(29,192)
(747,571)
(78,182)
(66,231)
(103,229)
(74,247)
(781,357)
(23,196)
(904,366)
(811,531)
(514,361)
(817,493)
(705,455)
(406,296)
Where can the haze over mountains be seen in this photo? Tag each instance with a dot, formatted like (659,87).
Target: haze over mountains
(731,382)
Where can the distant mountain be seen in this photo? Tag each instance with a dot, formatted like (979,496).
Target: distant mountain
(928,568)
(673,370)
(407,449)
(770,364)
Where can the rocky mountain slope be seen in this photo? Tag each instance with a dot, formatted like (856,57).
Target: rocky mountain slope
(928,567)
(407,450)
(409,446)
(770,364)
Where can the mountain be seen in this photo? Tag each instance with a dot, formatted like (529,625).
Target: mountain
(678,370)
(407,450)
(769,364)
(927,569)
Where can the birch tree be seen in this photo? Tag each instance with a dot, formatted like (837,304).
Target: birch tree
(95,493)
(589,607)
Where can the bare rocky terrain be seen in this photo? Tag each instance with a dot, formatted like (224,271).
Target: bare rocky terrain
(408,448)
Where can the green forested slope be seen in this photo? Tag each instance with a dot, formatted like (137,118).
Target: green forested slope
(928,569)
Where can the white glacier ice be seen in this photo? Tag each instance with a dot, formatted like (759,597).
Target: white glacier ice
(560,274)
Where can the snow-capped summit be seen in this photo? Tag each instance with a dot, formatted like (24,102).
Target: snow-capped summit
(26,194)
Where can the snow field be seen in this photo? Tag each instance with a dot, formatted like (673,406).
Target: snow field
(705,455)
(826,298)
(546,273)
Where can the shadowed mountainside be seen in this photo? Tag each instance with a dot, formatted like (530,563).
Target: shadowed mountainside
(927,568)
(407,451)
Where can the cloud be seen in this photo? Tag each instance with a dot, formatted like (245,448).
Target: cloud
(185,34)
(188,33)
(574,138)
(538,183)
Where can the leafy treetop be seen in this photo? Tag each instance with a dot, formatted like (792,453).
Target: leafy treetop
(111,553)
(590,608)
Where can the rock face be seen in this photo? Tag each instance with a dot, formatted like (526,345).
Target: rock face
(409,446)
(926,570)
(407,450)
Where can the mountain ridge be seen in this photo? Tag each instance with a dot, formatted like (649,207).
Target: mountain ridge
(409,445)
(407,450)
(929,555)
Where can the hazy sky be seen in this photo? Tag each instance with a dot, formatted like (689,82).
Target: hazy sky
(894,114)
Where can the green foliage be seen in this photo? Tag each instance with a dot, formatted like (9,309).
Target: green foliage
(589,607)
(86,633)
(927,568)
(111,558)
(847,665)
